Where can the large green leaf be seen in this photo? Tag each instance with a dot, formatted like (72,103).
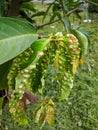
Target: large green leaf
(15,37)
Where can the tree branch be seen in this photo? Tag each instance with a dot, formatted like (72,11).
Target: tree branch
(48,23)
(91,2)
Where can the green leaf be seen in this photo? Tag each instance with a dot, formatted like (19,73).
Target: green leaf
(29,6)
(38,47)
(45,112)
(15,37)
(39,114)
(17,111)
(67,24)
(39,44)
(83,40)
(50,112)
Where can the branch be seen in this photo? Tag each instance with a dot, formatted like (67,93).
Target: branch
(91,2)
(73,10)
(48,23)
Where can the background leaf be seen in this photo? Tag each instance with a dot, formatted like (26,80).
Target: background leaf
(29,6)
(66,23)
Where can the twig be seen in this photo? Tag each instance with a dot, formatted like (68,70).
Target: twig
(48,23)
(91,2)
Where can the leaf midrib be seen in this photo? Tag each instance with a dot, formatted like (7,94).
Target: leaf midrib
(14,37)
